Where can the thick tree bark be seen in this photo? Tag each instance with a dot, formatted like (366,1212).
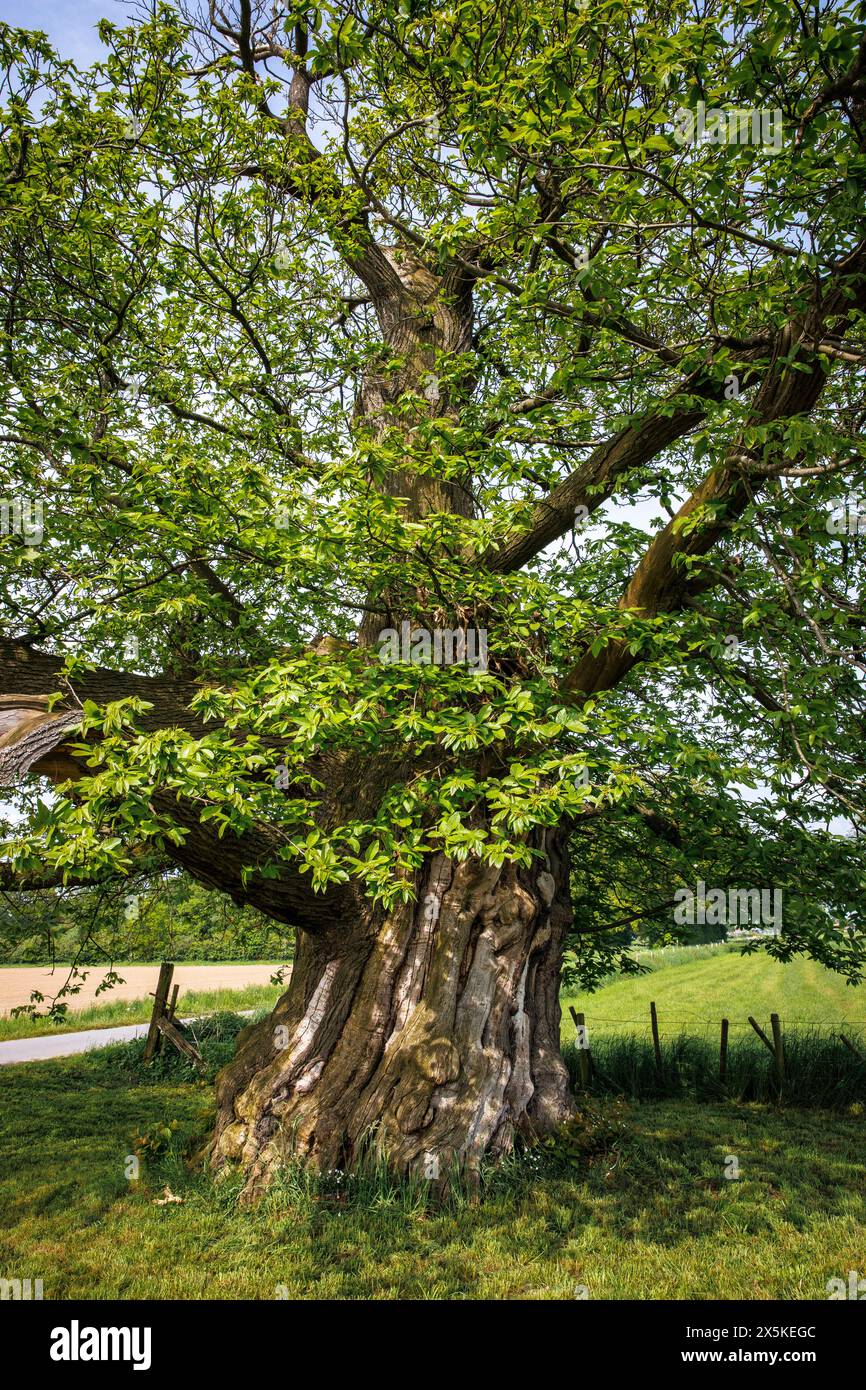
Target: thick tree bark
(428,1036)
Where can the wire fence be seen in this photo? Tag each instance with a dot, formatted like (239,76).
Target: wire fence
(666,1020)
(810,1060)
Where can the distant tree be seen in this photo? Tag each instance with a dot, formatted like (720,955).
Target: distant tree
(331,334)
(156,917)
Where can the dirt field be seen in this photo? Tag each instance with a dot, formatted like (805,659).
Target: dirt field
(139,981)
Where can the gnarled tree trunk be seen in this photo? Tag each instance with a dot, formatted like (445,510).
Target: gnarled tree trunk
(430,1033)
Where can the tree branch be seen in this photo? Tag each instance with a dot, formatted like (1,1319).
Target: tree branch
(662,581)
(594,481)
(33,740)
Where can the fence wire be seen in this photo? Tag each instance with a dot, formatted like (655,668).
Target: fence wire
(706,1025)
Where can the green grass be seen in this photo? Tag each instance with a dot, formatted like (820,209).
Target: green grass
(660,957)
(632,1202)
(193,1002)
(698,992)
(635,1206)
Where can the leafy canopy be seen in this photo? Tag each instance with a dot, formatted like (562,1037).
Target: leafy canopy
(236,441)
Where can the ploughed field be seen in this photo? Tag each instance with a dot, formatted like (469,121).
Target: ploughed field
(17,982)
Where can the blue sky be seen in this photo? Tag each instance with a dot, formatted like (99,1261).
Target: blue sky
(70,24)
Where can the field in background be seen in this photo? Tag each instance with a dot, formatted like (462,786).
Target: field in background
(823,1031)
(695,987)
(130,1003)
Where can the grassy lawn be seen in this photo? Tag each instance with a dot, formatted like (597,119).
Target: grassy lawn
(632,1203)
(193,1002)
(694,994)
(637,1206)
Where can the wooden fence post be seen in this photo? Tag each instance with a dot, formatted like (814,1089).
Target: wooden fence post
(657,1047)
(778,1049)
(164,1024)
(723,1052)
(163,985)
(168,1030)
(584,1056)
(761,1034)
(775,1047)
(850,1046)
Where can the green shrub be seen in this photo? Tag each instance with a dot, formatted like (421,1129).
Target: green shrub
(214,1036)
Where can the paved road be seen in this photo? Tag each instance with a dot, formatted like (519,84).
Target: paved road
(65,1044)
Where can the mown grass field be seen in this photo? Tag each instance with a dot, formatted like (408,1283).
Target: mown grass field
(637,1207)
(694,991)
(631,1202)
(823,1031)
